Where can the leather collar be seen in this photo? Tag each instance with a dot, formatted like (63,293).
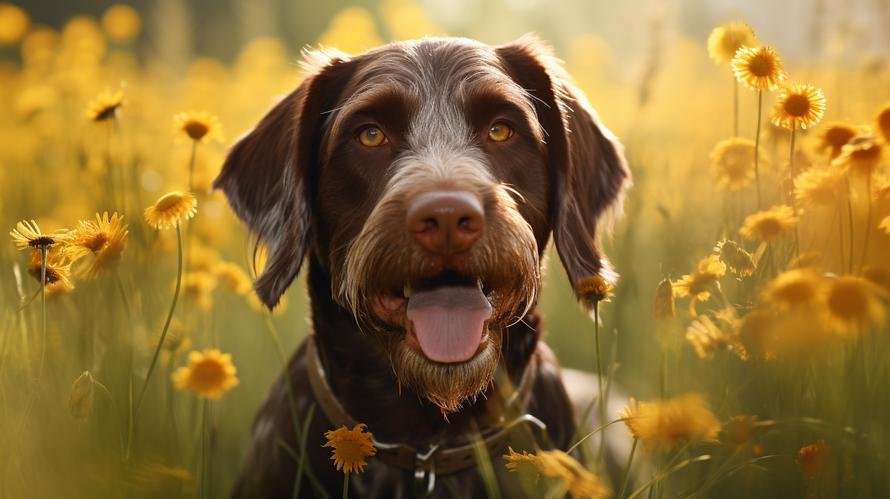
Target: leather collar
(436,459)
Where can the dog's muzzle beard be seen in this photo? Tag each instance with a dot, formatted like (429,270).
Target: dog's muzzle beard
(383,264)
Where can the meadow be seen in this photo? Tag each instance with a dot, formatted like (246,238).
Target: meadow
(749,325)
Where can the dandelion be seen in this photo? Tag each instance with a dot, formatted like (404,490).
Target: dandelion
(199,126)
(105,106)
(665,307)
(662,425)
(854,304)
(799,106)
(882,123)
(171,209)
(794,288)
(208,374)
(705,337)
(861,155)
(349,449)
(884,225)
(759,68)
(197,287)
(755,335)
(593,289)
(820,186)
(55,268)
(13,23)
(739,261)
(769,224)
(812,459)
(121,23)
(732,161)
(104,239)
(834,137)
(27,234)
(571,476)
(232,277)
(698,284)
(725,40)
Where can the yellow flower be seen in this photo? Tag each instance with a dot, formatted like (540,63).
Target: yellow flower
(698,284)
(755,335)
(104,107)
(882,123)
(835,136)
(665,308)
(812,459)
(594,289)
(570,474)
(733,163)
(820,186)
(104,239)
(121,23)
(706,337)
(799,106)
(794,288)
(58,268)
(171,209)
(27,234)
(13,23)
(725,40)
(861,155)
(662,425)
(350,448)
(884,225)
(233,277)
(197,287)
(769,224)
(739,261)
(759,68)
(854,304)
(199,126)
(208,374)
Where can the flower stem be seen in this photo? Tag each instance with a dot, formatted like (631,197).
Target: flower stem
(154,358)
(792,175)
(867,217)
(601,393)
(204,447)
(757,148)
(345,484)
(626,476)
(850,221)
(188,230)
(43,310)
(735,107)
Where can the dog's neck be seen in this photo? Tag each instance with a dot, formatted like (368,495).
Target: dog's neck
(361,375)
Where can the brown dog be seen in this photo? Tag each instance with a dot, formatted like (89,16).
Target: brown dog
(421,180)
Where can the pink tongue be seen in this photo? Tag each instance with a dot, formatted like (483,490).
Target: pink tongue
(448,321)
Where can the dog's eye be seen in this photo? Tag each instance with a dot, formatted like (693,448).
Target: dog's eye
(372,137)
(500,132)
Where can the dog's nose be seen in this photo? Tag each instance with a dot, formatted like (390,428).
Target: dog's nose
(446,222)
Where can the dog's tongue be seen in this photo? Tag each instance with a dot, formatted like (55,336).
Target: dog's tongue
(448,321)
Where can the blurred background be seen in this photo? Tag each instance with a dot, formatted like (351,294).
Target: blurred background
(643,64)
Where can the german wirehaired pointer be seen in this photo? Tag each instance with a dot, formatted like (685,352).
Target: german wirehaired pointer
(421,181)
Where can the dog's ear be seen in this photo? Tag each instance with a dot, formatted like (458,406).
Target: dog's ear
(268,174)
(588,169)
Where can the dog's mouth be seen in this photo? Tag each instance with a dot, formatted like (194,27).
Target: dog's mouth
(444,317)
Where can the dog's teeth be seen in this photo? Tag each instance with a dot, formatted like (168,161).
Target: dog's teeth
(407,291)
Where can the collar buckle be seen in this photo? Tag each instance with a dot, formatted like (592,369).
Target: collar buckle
(425,471)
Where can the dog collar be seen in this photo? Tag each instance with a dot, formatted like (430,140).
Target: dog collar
(436,459)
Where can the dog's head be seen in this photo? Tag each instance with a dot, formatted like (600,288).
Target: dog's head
(426,177)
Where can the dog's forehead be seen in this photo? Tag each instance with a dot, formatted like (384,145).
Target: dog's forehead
(439,77)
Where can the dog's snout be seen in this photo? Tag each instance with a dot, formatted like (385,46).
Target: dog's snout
(446,222)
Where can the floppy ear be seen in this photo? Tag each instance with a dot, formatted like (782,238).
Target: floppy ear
(268,173)
(588,169)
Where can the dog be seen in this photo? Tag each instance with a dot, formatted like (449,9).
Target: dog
(421,182)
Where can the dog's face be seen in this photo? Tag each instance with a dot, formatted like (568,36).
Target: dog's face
(426,177)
